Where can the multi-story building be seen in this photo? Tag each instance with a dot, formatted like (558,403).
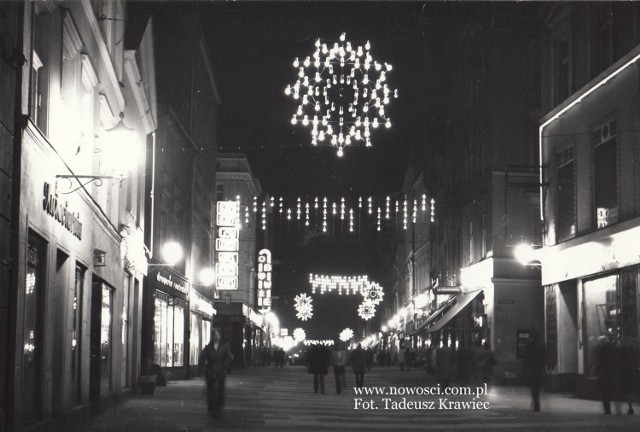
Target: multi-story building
(589,143)
(237,305)
(481,170)
(78,257)
(179,292)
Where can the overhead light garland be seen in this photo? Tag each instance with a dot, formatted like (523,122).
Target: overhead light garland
(299,335)
(303,306)
(346,335)
(326,342)
(343,284)
(342,93)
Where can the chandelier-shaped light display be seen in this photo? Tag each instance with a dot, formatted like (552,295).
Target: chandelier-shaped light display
(299,335)
(346,335)
(304,307)
(343,284)
(342,93)
(373,292)
(367,310)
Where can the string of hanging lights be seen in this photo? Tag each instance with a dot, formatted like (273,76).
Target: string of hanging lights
(341,210)
(342,284)
(342,93)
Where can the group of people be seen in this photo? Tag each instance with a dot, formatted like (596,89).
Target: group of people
(464,364)
(277,355)
(320,358)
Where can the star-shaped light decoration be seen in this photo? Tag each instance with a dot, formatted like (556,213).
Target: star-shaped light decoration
(346,335)
(304,308)
(366,309)
(373,292)
(299,335)
(342,93)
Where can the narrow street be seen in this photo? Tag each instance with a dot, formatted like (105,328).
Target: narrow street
(266,398)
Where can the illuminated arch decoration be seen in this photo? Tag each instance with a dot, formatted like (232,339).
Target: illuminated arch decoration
(342,93)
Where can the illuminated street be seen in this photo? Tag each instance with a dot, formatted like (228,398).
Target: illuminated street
(281,399)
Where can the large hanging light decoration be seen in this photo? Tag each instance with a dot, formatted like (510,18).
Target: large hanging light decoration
(343,284)
(303,306)
(346,335)
(367,310)
(342,93)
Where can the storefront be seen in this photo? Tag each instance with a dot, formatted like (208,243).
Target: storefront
(597,295)
(166,321)
(201,314)
(242,328)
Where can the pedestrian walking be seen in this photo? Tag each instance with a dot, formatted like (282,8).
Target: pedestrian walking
(339,360)
(317,364)
(359,365)
(534,365)
(402,358)
(214,360)
(369,358)
(626,375)
(605,371)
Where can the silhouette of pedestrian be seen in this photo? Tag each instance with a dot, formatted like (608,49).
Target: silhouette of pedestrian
(359,365)
(534,365)
(444,365)
(626,375)
(214,360)
(317,364)
(605,370)
(339,360)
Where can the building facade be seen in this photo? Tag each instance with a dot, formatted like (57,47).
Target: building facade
(590,183)
(180,183)
(78,256)
(239,314)
(481,168)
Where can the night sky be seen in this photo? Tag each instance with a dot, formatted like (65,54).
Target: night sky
(252,46)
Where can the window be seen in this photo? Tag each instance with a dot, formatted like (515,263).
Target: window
(561,66)
(195,339)
(220,192)
(566,194)
(602,314)
(601,38)
(39,80)
(605,174)
(169,330)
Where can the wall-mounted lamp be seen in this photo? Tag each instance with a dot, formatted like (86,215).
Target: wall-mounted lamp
(117,155)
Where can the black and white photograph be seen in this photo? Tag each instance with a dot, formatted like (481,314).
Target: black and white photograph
(319,215)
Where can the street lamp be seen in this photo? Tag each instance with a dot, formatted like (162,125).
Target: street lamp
(525,254)
(116,154)
(207,276)
(172,253)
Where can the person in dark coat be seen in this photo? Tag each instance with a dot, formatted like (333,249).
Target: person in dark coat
(627,375)
(318,365)
(359,364)
(534,365)
(339,360)
(605,371)
(214,360)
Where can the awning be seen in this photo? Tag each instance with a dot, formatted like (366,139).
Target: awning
(431,318)
(462,300)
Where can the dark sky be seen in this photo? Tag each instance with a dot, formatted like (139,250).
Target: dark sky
(253,45)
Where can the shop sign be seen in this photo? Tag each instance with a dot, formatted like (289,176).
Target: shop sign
(61,213)
(167,281)
(264,280)
(227,245)
(201,304)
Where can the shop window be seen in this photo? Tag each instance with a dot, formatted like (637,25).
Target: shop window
(605,174)
(106,339)
(602,314)
(178,336)
(206,332)
(169,330)
(124,364)
(76,332)
(195,339)
(32,337)
(566,194)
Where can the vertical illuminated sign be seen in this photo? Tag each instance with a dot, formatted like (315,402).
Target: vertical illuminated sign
(264,280)
(227,244)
